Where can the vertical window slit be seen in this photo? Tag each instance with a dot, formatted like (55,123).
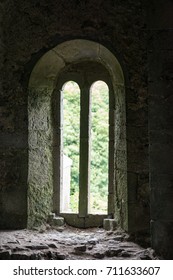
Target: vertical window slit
(70,148)
(99,158)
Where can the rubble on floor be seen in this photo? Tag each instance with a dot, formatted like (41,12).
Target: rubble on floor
(67,243)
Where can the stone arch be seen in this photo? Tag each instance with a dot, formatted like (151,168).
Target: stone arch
(42,85)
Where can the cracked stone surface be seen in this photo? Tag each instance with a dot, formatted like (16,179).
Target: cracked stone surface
(67,243)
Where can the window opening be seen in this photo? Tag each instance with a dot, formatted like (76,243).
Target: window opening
(70,158)
(99,148)
(43,90)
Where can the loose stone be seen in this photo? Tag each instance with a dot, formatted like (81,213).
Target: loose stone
(113,252)
(99,255)
(80,249)
(125,254)
(93,241)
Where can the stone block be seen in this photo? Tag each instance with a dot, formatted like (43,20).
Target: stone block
(109,224)
(58,221)
(51,217)
(80,249)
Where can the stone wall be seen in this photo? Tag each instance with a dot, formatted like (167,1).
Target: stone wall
(31,29)
(160,60)
(13,150)
(40,190)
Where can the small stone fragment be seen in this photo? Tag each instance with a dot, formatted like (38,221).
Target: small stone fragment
(145,256)
(60,256)
(118,238)
(52,245)
(125,254)
(93,241)
(113,252)
(59,229)
(109,232)
(80,248)
(99,255)
(37,247)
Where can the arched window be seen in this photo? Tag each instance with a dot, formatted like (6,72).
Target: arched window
(97,168)
(85,63)
(84,121)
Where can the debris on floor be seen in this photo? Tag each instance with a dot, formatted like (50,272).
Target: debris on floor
(68,243)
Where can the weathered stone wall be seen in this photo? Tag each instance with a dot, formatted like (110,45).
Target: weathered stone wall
(40,190)
(13,149)
(160,59)
(120,193)
(32,28)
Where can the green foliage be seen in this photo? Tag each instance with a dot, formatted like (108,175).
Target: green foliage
(99,143)
(99,139)
(71,130)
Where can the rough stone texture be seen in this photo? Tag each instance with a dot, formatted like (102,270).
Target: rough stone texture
(40,190)
(109,224)
(71,244)
(31,29)
(28,29)
(160,60)
(58,221)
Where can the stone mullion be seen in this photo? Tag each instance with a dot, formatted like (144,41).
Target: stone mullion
(84,166)
(58,151)
(111,165)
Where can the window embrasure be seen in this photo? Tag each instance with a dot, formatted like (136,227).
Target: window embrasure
(45,88)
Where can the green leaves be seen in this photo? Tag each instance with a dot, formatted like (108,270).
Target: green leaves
(99,142)
(99,146)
